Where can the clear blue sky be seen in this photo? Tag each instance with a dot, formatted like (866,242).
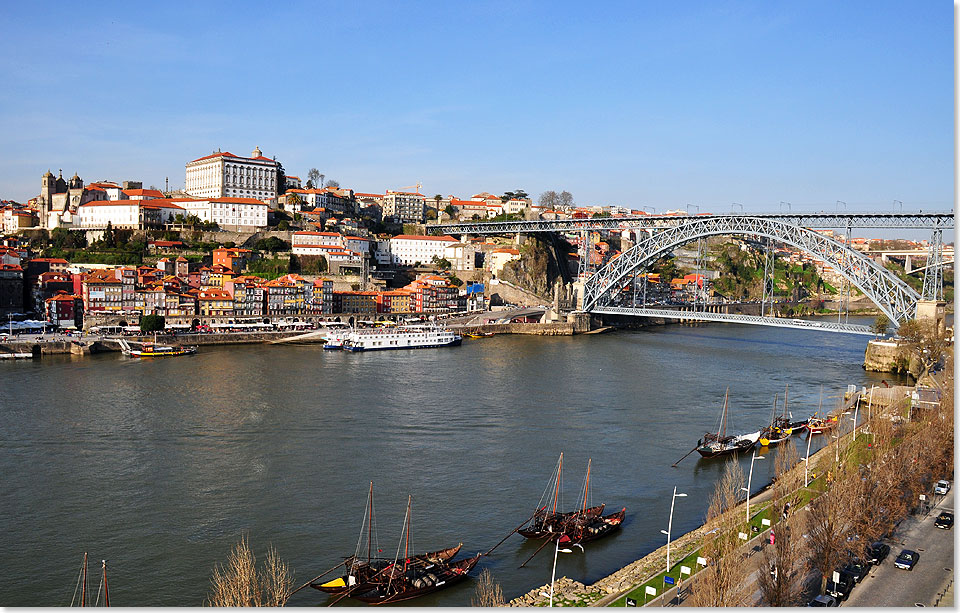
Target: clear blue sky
(635,103)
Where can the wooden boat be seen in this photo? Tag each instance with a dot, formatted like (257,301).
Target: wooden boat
(718,443)
(359,571)
(478,334)
(780,427)
(406,578)
(153,350)
(819,422)
(546,520)
(584,527)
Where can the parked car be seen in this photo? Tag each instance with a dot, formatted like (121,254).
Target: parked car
(945,521)
(858,569)
(841,589)
(877,553)
(823,601)
(942,487)
(907,559)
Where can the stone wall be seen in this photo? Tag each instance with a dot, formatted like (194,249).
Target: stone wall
(882,356)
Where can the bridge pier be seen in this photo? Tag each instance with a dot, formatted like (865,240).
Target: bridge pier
(935,311)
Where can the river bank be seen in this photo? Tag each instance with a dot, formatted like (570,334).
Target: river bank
(569,592)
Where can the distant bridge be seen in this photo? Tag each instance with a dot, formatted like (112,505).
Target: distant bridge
(602,290)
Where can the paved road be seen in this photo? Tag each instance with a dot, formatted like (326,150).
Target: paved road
(888,586)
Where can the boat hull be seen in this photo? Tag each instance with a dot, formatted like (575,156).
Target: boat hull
(555,524)
(453,343)
(446,575)
(361,579)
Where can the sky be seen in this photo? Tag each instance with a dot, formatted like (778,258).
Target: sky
(648,105)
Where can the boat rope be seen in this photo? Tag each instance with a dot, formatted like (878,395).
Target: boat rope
(77,589)
(99,589)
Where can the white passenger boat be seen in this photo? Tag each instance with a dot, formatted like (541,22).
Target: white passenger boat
(403,337)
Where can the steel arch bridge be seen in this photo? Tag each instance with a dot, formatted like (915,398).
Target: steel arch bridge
(894,297)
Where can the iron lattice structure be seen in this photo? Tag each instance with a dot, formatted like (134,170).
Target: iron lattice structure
(930,221)
(735,318)
(894,297)
(933,277)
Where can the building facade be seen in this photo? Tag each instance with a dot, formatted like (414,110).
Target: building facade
(223,174)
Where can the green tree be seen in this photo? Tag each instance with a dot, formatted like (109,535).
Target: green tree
(281,179)
(283,225)
(152,323)
(880,325)
(294,200)
(451,211)
(108,238)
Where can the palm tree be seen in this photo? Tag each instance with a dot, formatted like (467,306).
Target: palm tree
(294,200)
(437,199)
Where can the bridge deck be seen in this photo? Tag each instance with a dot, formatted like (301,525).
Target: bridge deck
(803,324)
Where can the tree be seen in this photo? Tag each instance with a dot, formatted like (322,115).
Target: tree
(549,199)
(108,238)
(294,200)
(281,179)
(240,584)
(923,340)
(152,323)
(880,325)
(488,591)
(782,586)
(438,199)
(566,199)
(441,263)
(723,583)
(332,183)
(309,184)
(451,211)
(283,226)
(314,177)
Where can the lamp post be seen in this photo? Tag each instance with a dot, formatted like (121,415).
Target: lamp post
(749,481)
(806,461)
(836,449)
(736,204)
(670,523)
(553,576)
(856,412)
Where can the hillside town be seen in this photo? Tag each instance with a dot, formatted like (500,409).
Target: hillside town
(244,241)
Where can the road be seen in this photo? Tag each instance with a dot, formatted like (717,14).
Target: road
(888,586)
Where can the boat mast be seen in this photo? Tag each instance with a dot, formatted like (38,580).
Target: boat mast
(786,393)
(83,592)
(369,521)
(406,548)
(723,415)
(586,486)
(556,492)
(773,413)
(820,405)
(106,594)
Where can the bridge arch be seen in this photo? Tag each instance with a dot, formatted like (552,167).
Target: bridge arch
(894,297)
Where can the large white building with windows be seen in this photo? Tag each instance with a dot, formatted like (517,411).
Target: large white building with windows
(403,207)
(234,214)
(225,175)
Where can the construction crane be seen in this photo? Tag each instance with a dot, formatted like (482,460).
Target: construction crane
(416,187)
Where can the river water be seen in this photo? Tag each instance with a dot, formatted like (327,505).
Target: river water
(160,466)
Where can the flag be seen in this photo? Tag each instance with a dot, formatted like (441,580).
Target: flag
(564,539)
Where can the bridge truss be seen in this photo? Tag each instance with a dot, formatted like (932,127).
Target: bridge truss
(894,297)
(928,221)
(825,326)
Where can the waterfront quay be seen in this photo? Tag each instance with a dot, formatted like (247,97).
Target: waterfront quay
(165,463)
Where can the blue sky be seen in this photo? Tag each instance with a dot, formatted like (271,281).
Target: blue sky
(642,104)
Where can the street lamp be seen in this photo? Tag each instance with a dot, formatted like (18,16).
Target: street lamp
(836,449)
(736,204)
(806,461)
(553,576)
(782,203)
(670,523)
(749,481)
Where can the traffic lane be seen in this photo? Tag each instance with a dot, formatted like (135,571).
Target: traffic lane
(889,586)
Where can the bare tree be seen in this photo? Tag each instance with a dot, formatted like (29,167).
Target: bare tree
(566,199)
(488,592)
(830,522)
(240,584)
(332,183)
(784,565)
(314,176)
(723,582)
(549,199)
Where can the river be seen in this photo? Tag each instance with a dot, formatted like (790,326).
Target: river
(160,466)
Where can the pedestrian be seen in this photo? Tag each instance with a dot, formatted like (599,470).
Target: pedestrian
(772,536)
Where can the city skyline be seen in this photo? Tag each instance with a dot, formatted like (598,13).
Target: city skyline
(633,105)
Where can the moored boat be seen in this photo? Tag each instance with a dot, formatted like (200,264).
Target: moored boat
(401,337)
(780,427)
(719,443)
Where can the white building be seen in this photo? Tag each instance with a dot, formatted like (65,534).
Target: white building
(232,213)
(223,174)
(126,214)
(407,250)
(462,256)
(403,207)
